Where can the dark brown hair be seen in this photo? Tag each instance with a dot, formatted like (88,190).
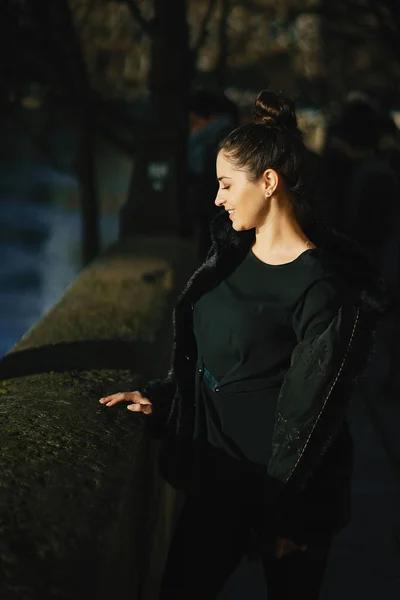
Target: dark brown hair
(273,141)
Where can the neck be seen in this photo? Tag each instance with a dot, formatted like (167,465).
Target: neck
(279,236)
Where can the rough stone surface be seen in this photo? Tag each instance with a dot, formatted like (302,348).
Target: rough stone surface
(83,512)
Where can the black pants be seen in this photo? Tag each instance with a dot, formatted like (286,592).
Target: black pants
(210,540)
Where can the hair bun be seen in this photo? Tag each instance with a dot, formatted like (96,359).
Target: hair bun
(275,110)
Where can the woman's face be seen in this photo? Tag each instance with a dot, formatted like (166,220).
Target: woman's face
(245,200)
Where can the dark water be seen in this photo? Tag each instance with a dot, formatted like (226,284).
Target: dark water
(40,241)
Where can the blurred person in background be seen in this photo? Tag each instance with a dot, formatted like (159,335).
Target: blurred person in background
(360,175)
(389,150)
(211,117)
(356,175)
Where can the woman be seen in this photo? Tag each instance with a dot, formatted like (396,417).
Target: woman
(271,333)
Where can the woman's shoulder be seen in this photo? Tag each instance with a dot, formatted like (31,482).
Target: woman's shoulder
(350,272)
(317,265)
(324,284)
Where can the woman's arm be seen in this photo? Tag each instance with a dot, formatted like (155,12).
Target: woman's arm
(334,343)
(161,393)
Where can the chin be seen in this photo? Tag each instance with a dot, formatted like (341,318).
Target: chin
(238,226)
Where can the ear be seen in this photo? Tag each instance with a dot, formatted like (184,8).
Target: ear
(270,181)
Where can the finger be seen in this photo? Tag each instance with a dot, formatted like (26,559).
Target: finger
(104,400)
(139,402)
(113,399)
(120,397)
(147,408)
(144,406)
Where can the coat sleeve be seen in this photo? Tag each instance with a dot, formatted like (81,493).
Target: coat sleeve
(160,392)
(316,387)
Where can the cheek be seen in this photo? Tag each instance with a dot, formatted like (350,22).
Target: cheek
(243,199)
(253,204)
(252,216)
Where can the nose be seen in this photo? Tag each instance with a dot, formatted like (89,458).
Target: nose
(219,201)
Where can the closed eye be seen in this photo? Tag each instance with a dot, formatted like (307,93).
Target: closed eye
(226,188)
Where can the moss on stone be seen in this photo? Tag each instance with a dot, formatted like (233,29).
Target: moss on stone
(75,476)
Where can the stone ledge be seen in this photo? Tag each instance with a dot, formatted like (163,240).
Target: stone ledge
(83,510)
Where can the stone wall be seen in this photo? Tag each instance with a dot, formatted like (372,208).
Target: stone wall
(83,511)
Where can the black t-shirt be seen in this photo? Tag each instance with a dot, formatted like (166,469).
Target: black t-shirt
(246,329)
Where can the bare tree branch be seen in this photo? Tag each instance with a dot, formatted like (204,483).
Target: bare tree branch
(84,20)
(382,15)
(390,27)
(203,28)
(139,18)
(222,59)
(393,9)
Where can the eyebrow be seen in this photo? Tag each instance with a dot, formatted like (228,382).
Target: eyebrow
(223,177)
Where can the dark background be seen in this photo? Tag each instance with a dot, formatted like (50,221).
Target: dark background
(89,88)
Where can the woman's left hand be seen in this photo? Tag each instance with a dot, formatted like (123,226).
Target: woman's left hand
(284,546)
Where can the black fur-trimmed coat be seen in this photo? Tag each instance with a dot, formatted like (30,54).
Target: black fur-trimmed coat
(317,386)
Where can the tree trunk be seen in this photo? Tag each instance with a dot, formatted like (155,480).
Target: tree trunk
(223,51)
(157,198)
(69,66)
